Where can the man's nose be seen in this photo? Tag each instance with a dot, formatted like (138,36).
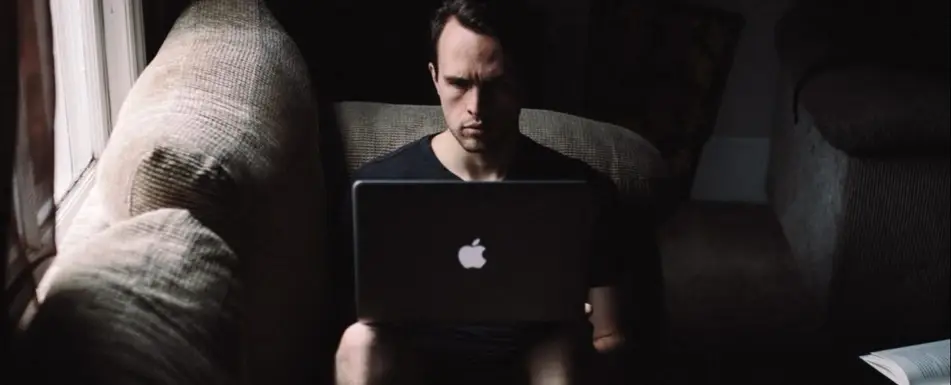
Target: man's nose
(475,101)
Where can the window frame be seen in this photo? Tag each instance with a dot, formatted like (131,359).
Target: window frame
(94,76)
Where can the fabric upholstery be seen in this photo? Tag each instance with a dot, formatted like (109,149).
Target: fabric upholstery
(220,104)
(154,299)
(859,172)
(87,221)
(222,123)
(870,233)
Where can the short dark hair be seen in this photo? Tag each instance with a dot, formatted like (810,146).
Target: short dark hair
(510,22)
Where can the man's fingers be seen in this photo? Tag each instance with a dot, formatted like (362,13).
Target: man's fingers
(587,308)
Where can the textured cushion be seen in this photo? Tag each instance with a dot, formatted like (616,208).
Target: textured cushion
(373,129)
(219,106)
(870,235)
(87,221)
(151,300)
(223,123)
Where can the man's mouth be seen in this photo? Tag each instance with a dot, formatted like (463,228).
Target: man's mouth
(473,129)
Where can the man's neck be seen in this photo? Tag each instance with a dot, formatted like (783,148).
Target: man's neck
(471,166)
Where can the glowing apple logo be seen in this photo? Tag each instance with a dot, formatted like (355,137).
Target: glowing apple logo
(470,256)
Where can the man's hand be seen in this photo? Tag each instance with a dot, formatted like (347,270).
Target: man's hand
(608,343)
(602,311)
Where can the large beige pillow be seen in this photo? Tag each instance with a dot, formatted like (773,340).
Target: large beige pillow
(223,123)
(214,117)
(153,299)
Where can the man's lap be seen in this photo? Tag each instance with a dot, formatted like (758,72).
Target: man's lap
(476,354)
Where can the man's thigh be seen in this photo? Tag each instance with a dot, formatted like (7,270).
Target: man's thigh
(460,356)
(563,352)
(423,355)
(394,358)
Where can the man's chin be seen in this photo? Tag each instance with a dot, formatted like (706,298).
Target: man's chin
(470,142)
(472,145)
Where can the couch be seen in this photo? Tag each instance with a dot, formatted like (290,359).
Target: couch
(212,169)
(202,254)
(859,174)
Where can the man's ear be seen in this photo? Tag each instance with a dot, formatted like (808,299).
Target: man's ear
(433,74)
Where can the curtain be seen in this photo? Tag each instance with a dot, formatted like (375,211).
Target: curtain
(8,90)
(31,220)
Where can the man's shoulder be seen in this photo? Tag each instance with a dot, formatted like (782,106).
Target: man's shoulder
(395,164)
(556,165)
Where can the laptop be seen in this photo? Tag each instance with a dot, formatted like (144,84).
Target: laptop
(471,252)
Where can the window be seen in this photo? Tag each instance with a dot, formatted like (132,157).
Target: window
(97,52)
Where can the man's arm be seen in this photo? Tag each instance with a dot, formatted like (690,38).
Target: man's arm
(608,333)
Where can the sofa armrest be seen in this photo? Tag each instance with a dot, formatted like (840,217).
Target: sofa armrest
(877,111)
(872,75)
(152,299)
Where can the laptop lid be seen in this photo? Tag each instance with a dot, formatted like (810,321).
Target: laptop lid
(472,252)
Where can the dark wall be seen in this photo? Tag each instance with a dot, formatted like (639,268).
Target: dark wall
(367,50)
(376,50)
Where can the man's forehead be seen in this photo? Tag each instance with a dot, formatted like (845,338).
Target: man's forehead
(464,48)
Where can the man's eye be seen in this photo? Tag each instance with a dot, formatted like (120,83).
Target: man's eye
(460,84)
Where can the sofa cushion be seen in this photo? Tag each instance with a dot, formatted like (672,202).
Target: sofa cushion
(221,106)
(370,130)
(153,299)
(222,122)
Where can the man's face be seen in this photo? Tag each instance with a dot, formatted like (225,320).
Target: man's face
(479,99)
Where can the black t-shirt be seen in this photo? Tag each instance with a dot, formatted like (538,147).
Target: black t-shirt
(476,343)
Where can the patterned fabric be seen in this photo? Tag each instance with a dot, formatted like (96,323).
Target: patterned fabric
(871,235)
(153,299)
(222,123)
(221,104)
(374,129)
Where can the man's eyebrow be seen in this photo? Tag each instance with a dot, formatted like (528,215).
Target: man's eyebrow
(457,80)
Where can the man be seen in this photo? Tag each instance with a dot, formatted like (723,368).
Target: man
(475,70)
